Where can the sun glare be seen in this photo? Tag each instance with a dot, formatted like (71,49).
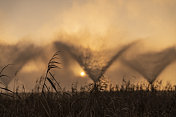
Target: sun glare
(82,74)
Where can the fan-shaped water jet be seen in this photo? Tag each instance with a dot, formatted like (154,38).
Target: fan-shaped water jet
(17,55)
(94,63)
(150,65)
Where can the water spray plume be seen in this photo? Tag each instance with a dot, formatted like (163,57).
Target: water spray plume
(94,63)
(17,55)
(150,65)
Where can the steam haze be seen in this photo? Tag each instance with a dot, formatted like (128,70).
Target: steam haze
(29,31)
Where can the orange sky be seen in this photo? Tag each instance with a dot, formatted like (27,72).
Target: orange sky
(43,19)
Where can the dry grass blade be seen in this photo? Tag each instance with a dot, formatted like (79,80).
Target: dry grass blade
(53,63)
(4,68)
(3,76)
(55,80)
(46,87)
(45,109)
(5,89)
(7,95)
(52,84)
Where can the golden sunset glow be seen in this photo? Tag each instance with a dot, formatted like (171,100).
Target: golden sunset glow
(82,74)
(83,57)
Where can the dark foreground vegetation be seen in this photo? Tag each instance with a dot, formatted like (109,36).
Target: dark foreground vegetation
(122,102)
(48,99)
